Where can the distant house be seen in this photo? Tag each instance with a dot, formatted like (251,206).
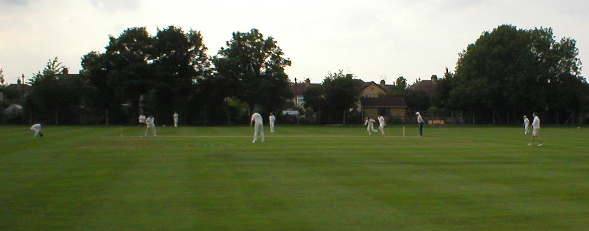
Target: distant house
(392,107)
(425,85)
(373,100)
(298,90)
(15,91)
(371,89)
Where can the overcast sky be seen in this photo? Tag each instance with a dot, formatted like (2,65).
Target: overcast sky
(372,39)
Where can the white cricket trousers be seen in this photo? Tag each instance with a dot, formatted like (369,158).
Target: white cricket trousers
(258,132)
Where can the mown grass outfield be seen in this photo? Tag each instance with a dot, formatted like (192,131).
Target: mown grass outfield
(301,178)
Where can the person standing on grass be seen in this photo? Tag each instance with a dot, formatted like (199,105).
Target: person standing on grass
(369,123)
(271,120)
(150,122)
(526,125)
(142,119)
(381,124)
(258,124)
(175,119)
(536,130)
(420,122)
(37,129)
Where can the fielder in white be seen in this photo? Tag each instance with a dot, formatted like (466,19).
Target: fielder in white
(150,122)
(37,129)
(536,131)
(271,120)
(526,125)
(369,123)
(142,119)
(175,119)
(258,124)
(381,124)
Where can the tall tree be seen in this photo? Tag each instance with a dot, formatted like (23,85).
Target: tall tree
(162,70)
(253,67)
(1,77)
(314,97)
(179,60)
(341,95)
(510,71)
(399,88)
(57,97)
(122,73)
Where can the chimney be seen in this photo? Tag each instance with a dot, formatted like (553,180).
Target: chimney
(382,83)
(307,82)
(434,78)
(66,71)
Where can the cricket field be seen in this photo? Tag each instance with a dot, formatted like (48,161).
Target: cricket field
(300,178)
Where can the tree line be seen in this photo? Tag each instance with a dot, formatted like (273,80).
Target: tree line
(162,74)
(506,73)
(511,72)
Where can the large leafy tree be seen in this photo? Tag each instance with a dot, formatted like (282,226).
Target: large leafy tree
(57,97)
(314,97)
(179,61)
(509,71)
(416,99)
(253,69)
(161,70)
(122,73)
(341,95)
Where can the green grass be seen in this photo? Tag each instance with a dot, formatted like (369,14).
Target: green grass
(301,178)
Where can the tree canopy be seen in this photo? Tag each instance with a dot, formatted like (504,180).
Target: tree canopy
(153,74)
(336,97)
(56,96)
(509,72)
(253,67)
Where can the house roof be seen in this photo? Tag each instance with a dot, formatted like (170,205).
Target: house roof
(423,85)
(300,88)
(19,87)
(384,102)
(363,85)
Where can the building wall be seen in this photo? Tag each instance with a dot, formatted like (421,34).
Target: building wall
(397,113)
(372,91)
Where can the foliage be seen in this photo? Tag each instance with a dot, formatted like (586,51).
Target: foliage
(334,99)
(56,96)
(1,77)
(162,69)
(253,67)
(314,97)
(399,88)
(341,96)
(509,72)
(416,99)
(441,92)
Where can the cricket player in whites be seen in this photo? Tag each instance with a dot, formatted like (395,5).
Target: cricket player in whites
(175,119)
(150,122)
(369,123)
(381,124)
(37,129)
(526,125)
(272,119)
(258,124)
